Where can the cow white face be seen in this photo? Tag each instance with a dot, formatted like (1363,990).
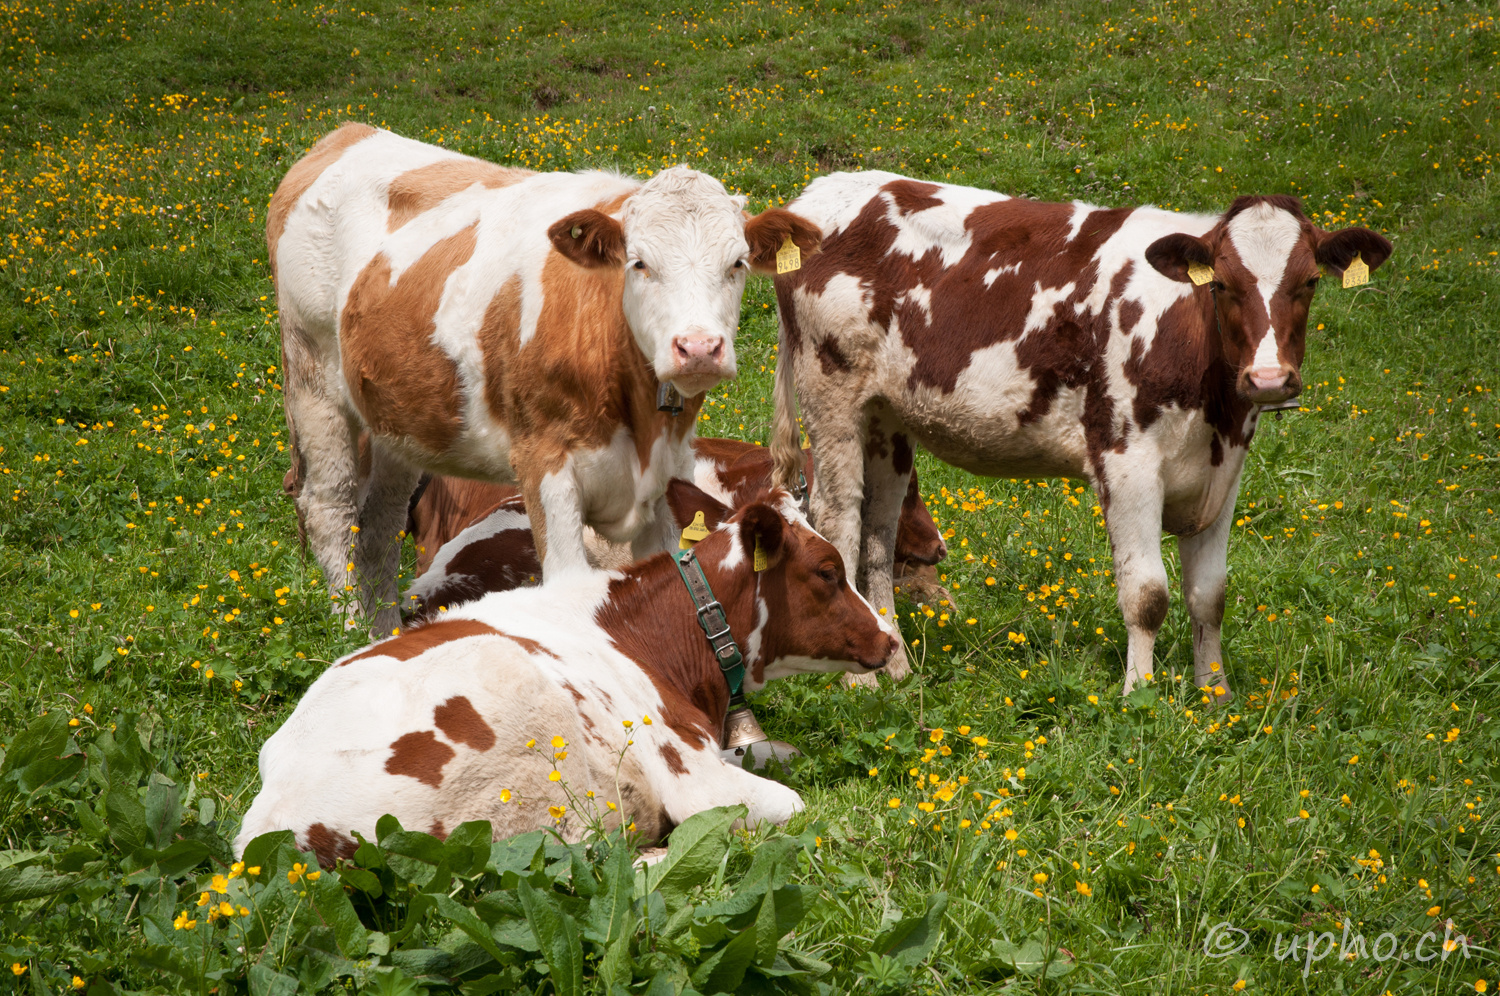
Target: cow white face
(686,246)
(1266,258)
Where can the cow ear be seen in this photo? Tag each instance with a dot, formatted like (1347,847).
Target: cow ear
(762,526)
(1338,249)
(589,238)
(1171,254)
(686,500)
(768,230)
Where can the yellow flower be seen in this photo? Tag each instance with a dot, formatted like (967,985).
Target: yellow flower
(531,743)
(78,983)
(253,870)
(1040,878)
(505,795)
(16,968)
(874,772)
(963,731)
(936,735)
(558,743)
(1084,889)
(557,812)
(220,884)
(894,803)
(1011,834)
(182,922)
(1316,889)
(203,899)
(554,775)
(298,870)
(627,723)
(646,720)
(225,909)
(1239,984)
(1481,986)
(981,741)
(313,876)
(1434,911)
(1354,759)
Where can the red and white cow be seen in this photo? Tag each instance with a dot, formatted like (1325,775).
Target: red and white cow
(604,677)
(1022,339)
(473,537)
(497,324)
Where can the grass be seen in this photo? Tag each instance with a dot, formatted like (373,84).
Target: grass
(152,568)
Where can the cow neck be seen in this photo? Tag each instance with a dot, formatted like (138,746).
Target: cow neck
(650,618)
(636,396)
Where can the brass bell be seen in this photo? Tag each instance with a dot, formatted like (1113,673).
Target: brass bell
(1289,405)
(741,729)
(668,399)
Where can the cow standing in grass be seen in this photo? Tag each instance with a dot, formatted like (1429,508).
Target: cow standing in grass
(1014,338)
(497,324)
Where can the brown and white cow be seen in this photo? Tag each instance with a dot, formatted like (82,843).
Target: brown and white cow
(456,720)
(474,537)
(497,324)
(1015,338)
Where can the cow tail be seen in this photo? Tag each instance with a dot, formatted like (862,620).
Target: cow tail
(786,435)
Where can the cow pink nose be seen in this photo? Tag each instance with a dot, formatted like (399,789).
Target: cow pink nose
(698,351)
(1268,378)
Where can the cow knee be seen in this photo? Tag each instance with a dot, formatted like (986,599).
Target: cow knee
(1206,604)
(1146,607)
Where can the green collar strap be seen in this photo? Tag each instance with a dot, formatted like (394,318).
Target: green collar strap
(715,624)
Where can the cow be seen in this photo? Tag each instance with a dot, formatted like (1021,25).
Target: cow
(472,537)
(1015,338)
(603,677)
(502,325)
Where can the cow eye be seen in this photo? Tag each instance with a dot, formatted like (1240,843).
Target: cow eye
(828,573)
(1314,281)
(1218,285)
(640,264)
(739,264)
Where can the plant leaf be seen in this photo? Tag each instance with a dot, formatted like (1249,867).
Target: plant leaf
(558,934)
(693,853)
(725,970)
(912,939)
(334,906)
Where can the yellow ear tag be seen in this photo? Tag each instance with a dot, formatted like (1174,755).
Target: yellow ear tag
(1356,273)
(788,257)
(1200,274)
(694,532)
(760,556)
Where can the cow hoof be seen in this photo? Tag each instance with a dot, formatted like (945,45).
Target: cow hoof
(760,752)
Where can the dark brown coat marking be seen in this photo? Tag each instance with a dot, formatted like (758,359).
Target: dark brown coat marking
(673,757)
(462,724)
(329,845)
(420,756)
(421,639)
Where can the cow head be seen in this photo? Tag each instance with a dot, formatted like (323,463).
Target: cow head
(1266,258)
(798,614)
(686,245)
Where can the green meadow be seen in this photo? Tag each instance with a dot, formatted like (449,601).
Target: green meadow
(1003,821)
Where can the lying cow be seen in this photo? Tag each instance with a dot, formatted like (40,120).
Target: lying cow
(473,538)
(605,677)
(1020,339)
(503,325)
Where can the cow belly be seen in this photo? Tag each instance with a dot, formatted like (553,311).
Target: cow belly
(988,427)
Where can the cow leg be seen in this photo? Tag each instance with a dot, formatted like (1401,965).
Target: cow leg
(1134,520)
(325,456)
(383,506)
(836,503)
(887,471)
(661,534)
(555,507)
(1205,574)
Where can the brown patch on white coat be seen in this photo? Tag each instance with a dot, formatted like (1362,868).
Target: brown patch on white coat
(431,728)
(1021,339)
(500,325)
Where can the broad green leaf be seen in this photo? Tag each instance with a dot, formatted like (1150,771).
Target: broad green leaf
(263,850)
(266,981)
(912,939)
(725,970)
(363,880)
(614,968)
(558,934)
(125,815)
(693,853)
(464,919)
(473,840)
(163,810)
(612,904)
(765,930)
(45,737)
(517,854)
(171,861)
(32,882)
(49,771)
(392,982)
(336,910)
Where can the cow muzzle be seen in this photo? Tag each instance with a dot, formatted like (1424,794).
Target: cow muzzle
(699,362)
(1268,385)
(886,650)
